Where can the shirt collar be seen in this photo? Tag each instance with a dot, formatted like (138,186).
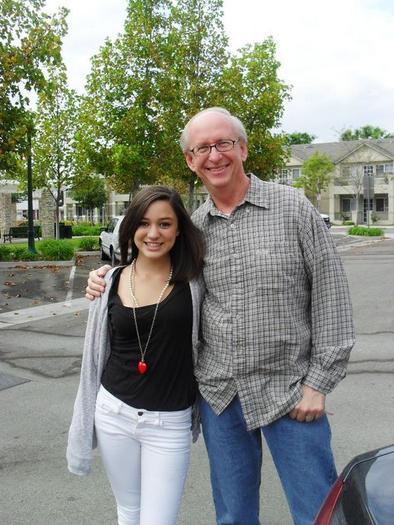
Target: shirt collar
(256,195)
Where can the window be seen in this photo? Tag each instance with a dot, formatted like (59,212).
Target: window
(296,173)
(120,207)
(368,169)
(381,204)
(80,211)
(112,225)
(382,169)
(346,204)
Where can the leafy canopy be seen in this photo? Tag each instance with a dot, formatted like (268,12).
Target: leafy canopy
(30,42)
(299,137)
(172,60)
(316,175)
(365,132)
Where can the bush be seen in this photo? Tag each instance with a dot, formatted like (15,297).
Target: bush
(16,253)
(53,250)
(5,253)
(20,253)
(348,223)
(89,244)
(369,232)
(86,229)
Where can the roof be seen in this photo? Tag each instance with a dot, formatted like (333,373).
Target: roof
(337,151)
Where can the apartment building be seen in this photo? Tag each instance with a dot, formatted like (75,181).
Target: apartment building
(362,183)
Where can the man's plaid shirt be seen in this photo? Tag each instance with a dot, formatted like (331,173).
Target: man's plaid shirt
(277,312)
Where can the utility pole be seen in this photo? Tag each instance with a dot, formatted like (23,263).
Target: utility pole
(31,246)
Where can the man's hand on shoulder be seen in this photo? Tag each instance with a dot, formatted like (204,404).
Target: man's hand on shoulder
(310,407)
(96,283)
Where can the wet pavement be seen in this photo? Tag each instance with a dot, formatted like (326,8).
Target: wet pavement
(42,321)
(25,285)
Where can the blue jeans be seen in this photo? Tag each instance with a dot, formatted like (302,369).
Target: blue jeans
(301,453)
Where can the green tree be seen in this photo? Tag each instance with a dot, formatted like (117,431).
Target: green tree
(92,194)
(316,175)
(299,137)
(254,93)
(364,133)
(196,55)
(171,61)
(121,111)
(54,141)
(30,41)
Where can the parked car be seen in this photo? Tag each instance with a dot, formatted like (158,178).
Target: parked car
(364,492)
(109,241)
(326,219)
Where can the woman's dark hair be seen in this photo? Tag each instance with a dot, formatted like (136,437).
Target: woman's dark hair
(188,252)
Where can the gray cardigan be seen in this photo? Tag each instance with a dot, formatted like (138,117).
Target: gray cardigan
(82,437)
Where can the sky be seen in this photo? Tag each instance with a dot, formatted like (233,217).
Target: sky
(336,55)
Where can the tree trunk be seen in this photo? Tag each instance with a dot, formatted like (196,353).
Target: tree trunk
(191,195)
(57,227)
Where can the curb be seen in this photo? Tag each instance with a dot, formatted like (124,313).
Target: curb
(45,264)
(44,311)
(366,242)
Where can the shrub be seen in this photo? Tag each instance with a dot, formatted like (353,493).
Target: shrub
(348,223)
(89,244)
(20,253)
(54,250)
(369,232)
(5,253)
(16,253)
(86,229)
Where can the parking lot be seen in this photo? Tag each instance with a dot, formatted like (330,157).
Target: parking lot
(25,285)
(40,358)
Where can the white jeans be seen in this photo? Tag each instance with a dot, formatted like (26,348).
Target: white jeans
(146,457)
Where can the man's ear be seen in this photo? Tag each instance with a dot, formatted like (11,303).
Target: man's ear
(189,160)
(244,151)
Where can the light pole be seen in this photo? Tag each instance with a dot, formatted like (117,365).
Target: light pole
(31,246)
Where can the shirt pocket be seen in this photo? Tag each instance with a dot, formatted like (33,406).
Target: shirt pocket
(277,267)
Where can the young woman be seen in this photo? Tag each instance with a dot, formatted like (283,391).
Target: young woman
(137,386)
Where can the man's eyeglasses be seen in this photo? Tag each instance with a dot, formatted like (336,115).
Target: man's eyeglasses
(221,147)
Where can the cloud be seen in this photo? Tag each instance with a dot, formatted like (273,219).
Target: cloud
(337,55)
(89,23)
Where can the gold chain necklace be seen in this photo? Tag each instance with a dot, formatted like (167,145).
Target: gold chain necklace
(142,367)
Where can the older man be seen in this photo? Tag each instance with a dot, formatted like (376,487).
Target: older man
(276,324)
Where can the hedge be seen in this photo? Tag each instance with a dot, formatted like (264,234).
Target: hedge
(369,232)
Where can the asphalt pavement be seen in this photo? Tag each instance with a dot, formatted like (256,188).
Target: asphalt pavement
(42,319)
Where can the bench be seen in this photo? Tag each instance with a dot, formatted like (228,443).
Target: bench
(21,232)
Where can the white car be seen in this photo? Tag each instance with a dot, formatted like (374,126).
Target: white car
(326,219)
(109,241)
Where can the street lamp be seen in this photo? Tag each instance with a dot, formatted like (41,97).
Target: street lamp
(31,246)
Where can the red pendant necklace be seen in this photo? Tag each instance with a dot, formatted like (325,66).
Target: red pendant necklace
(142,367)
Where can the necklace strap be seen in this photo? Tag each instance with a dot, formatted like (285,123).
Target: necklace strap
(136,304)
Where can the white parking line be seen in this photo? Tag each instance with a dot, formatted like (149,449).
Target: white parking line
(69,295)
